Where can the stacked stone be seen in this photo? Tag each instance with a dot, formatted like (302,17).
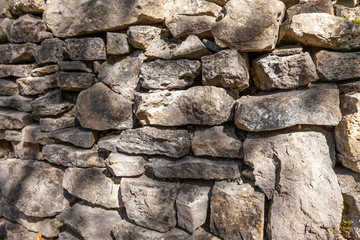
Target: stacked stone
(157,119)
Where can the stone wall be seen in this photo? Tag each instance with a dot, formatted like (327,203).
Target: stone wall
(179,119)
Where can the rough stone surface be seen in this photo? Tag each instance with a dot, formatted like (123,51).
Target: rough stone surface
(53,124)
(23,70)
(10,230)
(142,36)
(8,88)
(122,165)
(17,53)
(10,119)
(237,211)
(50,51)
(26,6)
(4,23)
(295,171)
(160,48)
(36,85)
(45,70)
(24,150)
(117,43)
(226,69)
(87,49)
(99,108)
(150,203)
(348,12)
(74,66)
(347,3)
(91,222)
(69,234)
(191,48)
(78,136)
(318,105)
(314,6)
(18,102)
(73,81)
(217,141)
(33,134)
(198,105)
(4,9)
(169,74)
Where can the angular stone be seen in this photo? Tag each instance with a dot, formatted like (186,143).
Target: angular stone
(226,69)
(8,88)
(24,150)
(258,30)
(237,211)
(72,157)
(87,49)
(18,102)
(295,171)
(16,70)
(74,81)
(194,168)
(122,165)
(117,43)
(212,46)
(99,108)
(284,72)
(33,134)
(78,136)
(91,222)
(191,48)
(314,6)
(46,70)
(10,230)
(150,203)
(17,53)
(169,74)
(196,8)
(159,49)
(351,13)
(93,186)
(33,187)
(50,51)
(27,6)
(4,23)
(198,105)
(10,119)
(217,141)
(53,124)
(69,234)
(318,105)
(349,87)
(321,30)
(337,66)
(74,66)
(4,9)
(142,36)
(13,135)
(36,85)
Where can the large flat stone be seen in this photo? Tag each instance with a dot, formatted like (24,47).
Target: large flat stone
(17,53)
(33,134)
(10,119)
(75,66)
(36,85)
(44,70)
(17,102)
(87,49)
(122,165)
(8,88)
(22,70)
(53,124)
(74,81)
(78,136)
(10,230)
(28,6)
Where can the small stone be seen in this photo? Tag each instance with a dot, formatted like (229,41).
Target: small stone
(197,8)
(74,81)
(23,70)
(184,25)
(10,119)
(50,51)
(347,3)
(349,87)
(117,43)
(142,36)
(53,124)
(74,66)
(24,150)
(4,9)
(191,48)
(33,134)
(314,6)
(69,234)
(159,49)
(87,49)
(10,230)
(226,69)
(78,136)
(18,102)
(36,85)
(4,24)
(43,71)
(351,13)
(13,135)
(150,203)
(122,165)
(8,88)
(212,46)
(27,6)
(17,53)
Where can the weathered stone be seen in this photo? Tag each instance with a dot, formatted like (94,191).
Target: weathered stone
(8,88)
(122,76)
(258,30)
(314,6)
(50,51)
(284,72)
(321,30)
(347,3)
(24,150)
(237,211)
(93,186)
(218,141)
(69,234)
(212,46)
(87,49)
(295,171)
(71,156)
(289,3)
(10,230)
(337,66)
(13,135)
(198,105)
(27,6)
(99,108)
(169,74)
(78,136)
(159,49)
(318,105)
(4,23)
(194,168)
(351,13)
(53,124)
(150,203)
(117,43)
(16,70)
(91,222)
(142,36)
(122,165)
(27,29)
(196,8)
(33,134)
(17,53)
(33,187)
(226,69)
(36,85)
(74,66)
(45,70)
(349,87)
(74,81)
(18,102)
(10,119)
(4,9)
(191,48)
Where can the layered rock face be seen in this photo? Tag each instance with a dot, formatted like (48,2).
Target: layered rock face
(179,119)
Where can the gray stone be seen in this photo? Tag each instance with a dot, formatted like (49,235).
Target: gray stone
(122,165)
(117,43)
(194,168)
(91,222)
(33,187)
(237,211)
(258,30)
(8,88)
(36,85)
(347,87)
(142,36)
(73,81)
(26,6)
(150,203)
(43,71)
(78,136)
(33,134)
(74,66)
(314,6)
(93,186)
(206,105)
(284,72)
(24,150)
(23,70)
(53,124)
(69,234)
(160,48)
(351,13)
(217,141)
(72,157)
(18,102)
(4,9)
(12,231)
(318,105)
(17,53)
(347,3)
(87,49)
(212,46)
(169,74)
(226,69)
(4,23)
(13,135)
(99,108)
(50,51)
(295,171)
(191,48)
(10,119)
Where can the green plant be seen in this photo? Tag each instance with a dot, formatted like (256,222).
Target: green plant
(345,228)
(357,21)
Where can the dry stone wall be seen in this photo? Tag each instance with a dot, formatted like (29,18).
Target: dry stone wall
(179,119)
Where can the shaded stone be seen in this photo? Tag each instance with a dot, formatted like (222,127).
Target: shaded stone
(212,46)
(351,13)
(142,36)
(169,74)
(347,3)
(10,230)
(17,53)
(349,87)
(91,222)
(72,157)
(237,211)
(8,88)
(226,69)
(18,102)
(50,51)
(10,119)
(4,23)
(75,81)
(69,234)
(36,85)
(318,105)
(93,186)
(295,171)
(150,203)
(122,165)
(117,43)
(99,108)
(22,181)
(198,105)
(46,70)
(217,141)
(4,9)
(33,134)
(160,49)
(27,6)
(194,168)
(25,150)
(191,48)
(23,70)
(314,6)
(53,124)
(258,30)
(74,66)
(13,135)
(78,136)
(87,49)
(289,3)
